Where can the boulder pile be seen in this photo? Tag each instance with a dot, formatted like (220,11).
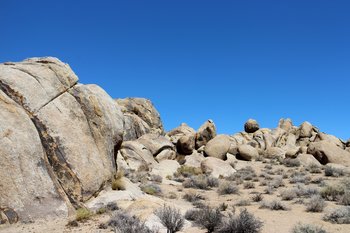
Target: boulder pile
(62,143)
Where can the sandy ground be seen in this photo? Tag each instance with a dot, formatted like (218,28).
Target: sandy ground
(274,221)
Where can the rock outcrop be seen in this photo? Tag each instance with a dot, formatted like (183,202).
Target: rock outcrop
(141,117)
(67,135)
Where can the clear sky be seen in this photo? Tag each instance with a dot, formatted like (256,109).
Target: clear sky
(198,59)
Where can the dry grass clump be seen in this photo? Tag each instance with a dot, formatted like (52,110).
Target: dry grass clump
(307,228)
(117,182)
(193,196)
(244,174)
(332,192)
(316,204)
(228,187)
(82,214)
(299,177)
(273,205)
(257,197)
(187,171)
(248,185)
(243,202)
(151,189)
(314,168)
(338,216)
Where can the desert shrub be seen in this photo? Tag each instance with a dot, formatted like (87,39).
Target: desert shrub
(333,171)
(192,214)
(156,178)
(245,222)
(209,219)
(269,190)
(248,185)
(345,198)
(192,197)
(188,171)
(299,177)
(243,202)
(339,216)
(82,214)
(288,162)
(117,182)
(268,166)
(228,188)
(277,182)
(199,204)
(246,173)
(112,206)
(307,228)
(223,206)
(273,205)
(151,189)
(288,194)
(317,180)
(315,204)
(263,182)
(122,222)
(332,192)
(201,182)
(314,168)
(171,218)
(101,210)
(257,197)
(172,195)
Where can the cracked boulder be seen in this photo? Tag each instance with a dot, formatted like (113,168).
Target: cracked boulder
(141,117)
(78,129)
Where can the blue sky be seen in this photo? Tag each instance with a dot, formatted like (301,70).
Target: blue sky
(198,59)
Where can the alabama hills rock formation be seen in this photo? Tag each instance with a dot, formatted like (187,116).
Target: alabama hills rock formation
(62,143)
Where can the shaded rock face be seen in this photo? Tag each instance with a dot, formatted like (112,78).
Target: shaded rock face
(205,133)
(251,126)
(141,117)
(67,134)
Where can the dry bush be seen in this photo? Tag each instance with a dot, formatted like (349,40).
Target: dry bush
(151,189)
(307,228)
(192,197)
(273,205)
(257,197)
(339,216)
(315,204)
(82,214)
(333,171)
(243,223)
(288,194)
(209,219)
(171,218)
(201,182)
(122,222)
(228,188)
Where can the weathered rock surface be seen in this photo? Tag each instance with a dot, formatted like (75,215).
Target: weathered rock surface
(205,133)
(218,147)
(308,159)
(274,152)
(216,167)
(251,126)
(136,156)
(155,143)
(247,152)
(28,184)
(79,127)
(142,117)
(177,133)
(327,152)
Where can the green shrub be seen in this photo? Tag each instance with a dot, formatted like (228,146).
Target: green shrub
(151,189)
(82,214)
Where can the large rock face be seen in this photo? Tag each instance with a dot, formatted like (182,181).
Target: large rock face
(218,147)
(141,117)
(67,135)
(327,152)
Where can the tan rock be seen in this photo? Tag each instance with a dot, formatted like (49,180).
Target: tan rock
(218,147)
(216,167)
(274,152)
(308,159)
(205,133)
(247,152)
(327,152)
